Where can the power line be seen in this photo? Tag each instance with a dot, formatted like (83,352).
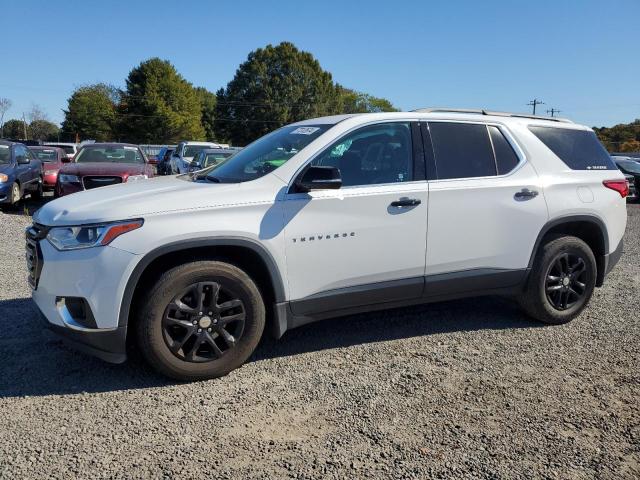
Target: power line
(534,103)
(553,111)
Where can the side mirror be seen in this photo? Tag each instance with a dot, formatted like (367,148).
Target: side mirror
(22,160)
(319,178)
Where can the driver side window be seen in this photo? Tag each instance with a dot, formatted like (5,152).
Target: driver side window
(372,155)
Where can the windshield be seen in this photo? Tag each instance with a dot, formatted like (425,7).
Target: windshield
(114,154)
(67,149)
(212,159)
(47,155)
(629,166)
(5,154)
(192,150)
(266,154)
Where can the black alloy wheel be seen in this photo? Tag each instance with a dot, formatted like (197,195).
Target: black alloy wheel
(566,281)
(204,322)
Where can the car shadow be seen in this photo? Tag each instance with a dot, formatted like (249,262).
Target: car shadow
(27,206)
(35,362)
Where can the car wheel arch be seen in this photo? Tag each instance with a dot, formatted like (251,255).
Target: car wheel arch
(265,271)
(589,228)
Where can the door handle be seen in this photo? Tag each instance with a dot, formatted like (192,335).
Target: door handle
(526,193)
(406,202)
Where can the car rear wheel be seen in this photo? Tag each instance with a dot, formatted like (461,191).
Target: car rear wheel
(201,320)
(561,282)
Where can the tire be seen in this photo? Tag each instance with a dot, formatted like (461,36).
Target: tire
(170,318)
(548,296)
(16,195)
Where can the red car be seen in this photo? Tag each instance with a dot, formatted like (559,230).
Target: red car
(101,164)
(52,159)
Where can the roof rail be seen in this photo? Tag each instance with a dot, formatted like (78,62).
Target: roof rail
(477,111)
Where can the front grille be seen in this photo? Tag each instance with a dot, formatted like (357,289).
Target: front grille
(90,182)
(33,253)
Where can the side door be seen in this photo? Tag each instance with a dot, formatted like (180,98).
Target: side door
(486,207)
(364,243)
(23,170)
(35,167)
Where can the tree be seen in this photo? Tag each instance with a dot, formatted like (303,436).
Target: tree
(159,105)
(359,102)
(36,113)
(91,113)
(624,135)
(207,112)
(273,87)
(5,104)
(14,129)
(43,130)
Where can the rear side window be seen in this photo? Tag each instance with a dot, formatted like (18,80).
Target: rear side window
(506,158)
(578,149)
(462,150)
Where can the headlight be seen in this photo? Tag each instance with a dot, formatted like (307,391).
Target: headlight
(64,178)
(135,178)
(51,172)
(3,178)
(87,236)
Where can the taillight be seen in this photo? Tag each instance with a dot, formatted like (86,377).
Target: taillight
(620,186)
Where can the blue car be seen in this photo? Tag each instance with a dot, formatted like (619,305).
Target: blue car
(20,173)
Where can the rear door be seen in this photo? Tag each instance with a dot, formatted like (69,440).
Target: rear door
(486,206)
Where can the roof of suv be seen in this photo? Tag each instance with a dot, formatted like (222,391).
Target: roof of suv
(468,115)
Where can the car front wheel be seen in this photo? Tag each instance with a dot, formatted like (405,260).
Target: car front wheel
(561,282)
(200,320)
(15,194)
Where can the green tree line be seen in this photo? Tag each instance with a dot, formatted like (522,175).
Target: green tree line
(275,86)
(624,137)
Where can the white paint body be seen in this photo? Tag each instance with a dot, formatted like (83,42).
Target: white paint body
(459,225)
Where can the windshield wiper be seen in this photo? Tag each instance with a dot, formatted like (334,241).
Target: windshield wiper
(203,176)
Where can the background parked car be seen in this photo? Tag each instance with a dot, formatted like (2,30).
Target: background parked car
(184,153)
(103,164)
(633,192)
(164,157)
(52,159)
(629,166)
(20,173)
(69,148)
(209,157)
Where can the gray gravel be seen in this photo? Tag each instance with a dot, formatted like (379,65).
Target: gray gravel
(468,389)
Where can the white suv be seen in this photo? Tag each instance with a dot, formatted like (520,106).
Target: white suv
(184,153)
(325,218)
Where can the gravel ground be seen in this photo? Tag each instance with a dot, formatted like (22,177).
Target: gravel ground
(468,389)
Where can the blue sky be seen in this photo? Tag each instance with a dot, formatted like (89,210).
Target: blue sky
(578,56)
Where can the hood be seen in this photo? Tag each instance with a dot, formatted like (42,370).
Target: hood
(153,196)
(6,168)
(103,168)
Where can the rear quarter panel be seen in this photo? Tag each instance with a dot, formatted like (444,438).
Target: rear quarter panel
(576,192)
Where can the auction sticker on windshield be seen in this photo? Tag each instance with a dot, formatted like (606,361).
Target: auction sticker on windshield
(304,130)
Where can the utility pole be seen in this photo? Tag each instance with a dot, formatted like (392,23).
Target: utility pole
(553,111)
(535,102)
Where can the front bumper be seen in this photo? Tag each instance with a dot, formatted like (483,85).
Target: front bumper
(68,188)
(97,275)
(49,181)
(109,345)
(5,192)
